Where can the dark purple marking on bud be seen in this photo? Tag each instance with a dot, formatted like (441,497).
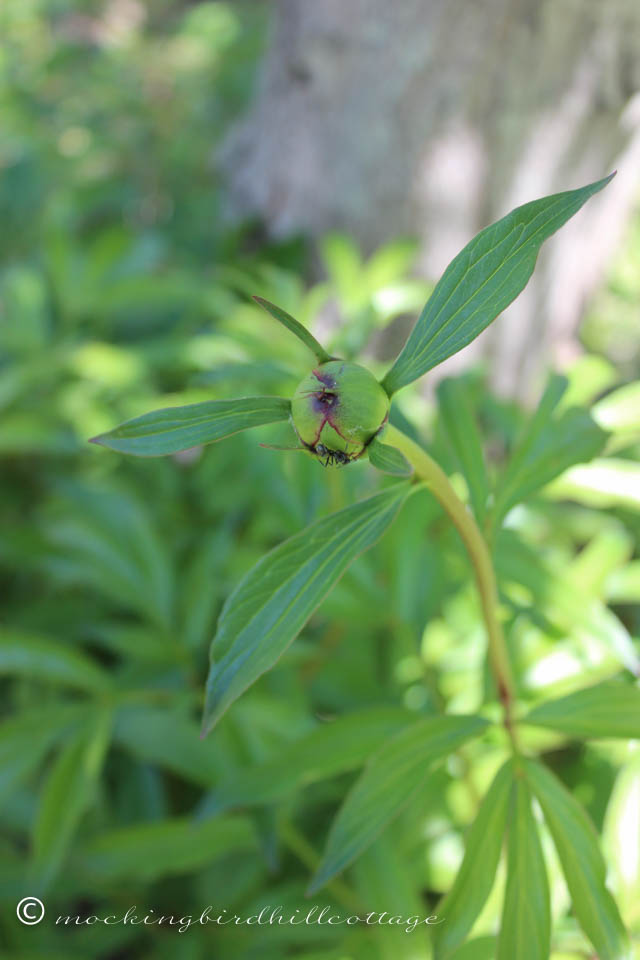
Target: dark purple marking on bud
(324,378)
(323,402)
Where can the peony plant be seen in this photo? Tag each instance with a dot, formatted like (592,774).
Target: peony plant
(341,413)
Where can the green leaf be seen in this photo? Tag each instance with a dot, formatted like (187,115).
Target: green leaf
(170,740)
(393,775)
(550,444)
(109,540)
(609,709)
(50,661)
(462,905)
(276,598)
(146,852)
(333,747)
(462,430)
(525,931)
(481,281)
(179,428)
(26,738)
(387,459)
(295,327)
(66,795)
(583,866)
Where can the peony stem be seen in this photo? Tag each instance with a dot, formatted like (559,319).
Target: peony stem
(436,479)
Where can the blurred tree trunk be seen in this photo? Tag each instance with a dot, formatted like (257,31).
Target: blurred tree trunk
(435,117)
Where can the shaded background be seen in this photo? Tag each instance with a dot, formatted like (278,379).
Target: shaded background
(434,119)
(160,163)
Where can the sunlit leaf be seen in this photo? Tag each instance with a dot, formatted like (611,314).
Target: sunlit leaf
(276,598)
(393,775)
(583,866)
(481,281)
(621,836)
(602,483)
(619,411)
(179,428)
(623,585)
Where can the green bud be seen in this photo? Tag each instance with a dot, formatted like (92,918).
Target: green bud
(338,409)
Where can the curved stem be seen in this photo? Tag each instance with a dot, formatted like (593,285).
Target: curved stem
(436,479)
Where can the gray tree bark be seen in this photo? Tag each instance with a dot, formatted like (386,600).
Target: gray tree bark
(433,118)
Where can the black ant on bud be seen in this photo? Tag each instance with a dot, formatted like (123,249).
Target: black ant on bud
(331,457)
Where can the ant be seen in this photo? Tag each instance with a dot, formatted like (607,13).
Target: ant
(332,456)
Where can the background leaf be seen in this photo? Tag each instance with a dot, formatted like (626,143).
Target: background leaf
(110,540)
(146,852)
(462,430)
(610,709)
(392,776)
(481,281)
(26,738)
(333,747)
(168,739)
(549,445)
(273,602)
(583,866)
(525,931)
(385,882)
(48,660)
(66,795)
(179,428)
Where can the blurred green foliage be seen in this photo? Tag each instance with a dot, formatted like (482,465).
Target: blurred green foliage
(121,291)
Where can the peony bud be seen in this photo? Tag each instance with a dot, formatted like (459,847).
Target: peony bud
(337,410)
